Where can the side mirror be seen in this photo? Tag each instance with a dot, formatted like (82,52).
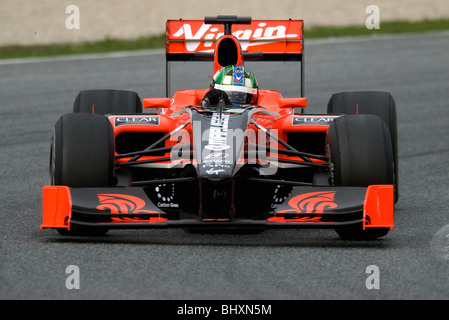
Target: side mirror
(293,102)
(156,103)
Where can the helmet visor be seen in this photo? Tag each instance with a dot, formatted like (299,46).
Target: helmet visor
(239,97)
(238,94)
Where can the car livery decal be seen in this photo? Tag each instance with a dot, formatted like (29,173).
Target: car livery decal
(200,36)
(136,120)
(320,120)
(218,132)
(121,203)
(312,202)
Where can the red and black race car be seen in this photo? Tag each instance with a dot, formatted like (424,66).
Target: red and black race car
(228,156)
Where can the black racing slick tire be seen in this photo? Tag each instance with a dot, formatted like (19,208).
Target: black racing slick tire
(361,154)
(378,103)
(82,152)
(107,102)
(82,155)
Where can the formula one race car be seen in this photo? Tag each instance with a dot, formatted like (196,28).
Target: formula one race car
(228,156)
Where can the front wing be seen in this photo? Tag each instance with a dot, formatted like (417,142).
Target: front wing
(130,207)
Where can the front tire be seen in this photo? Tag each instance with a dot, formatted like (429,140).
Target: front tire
(82,152)
(82,155)
(377,103)
(361,154)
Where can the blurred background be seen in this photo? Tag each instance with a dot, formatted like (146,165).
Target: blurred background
(25,22)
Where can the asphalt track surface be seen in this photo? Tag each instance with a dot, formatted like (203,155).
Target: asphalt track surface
(275,264)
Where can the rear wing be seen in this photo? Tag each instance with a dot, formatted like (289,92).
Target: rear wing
(273,40)
(232,40)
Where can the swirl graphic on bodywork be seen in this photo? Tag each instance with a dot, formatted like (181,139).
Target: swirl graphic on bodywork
(121,203)
(312,202)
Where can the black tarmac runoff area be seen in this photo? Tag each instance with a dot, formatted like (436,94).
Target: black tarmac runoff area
(411,262)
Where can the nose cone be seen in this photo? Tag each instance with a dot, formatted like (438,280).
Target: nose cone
(218,142)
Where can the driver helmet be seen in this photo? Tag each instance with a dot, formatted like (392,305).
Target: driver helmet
(239,83)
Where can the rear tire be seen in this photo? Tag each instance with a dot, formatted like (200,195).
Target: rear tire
(361,154)
(82,155)
(107,102)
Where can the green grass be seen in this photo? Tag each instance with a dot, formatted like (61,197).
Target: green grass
(107,45)
(385,28)
(111,45)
